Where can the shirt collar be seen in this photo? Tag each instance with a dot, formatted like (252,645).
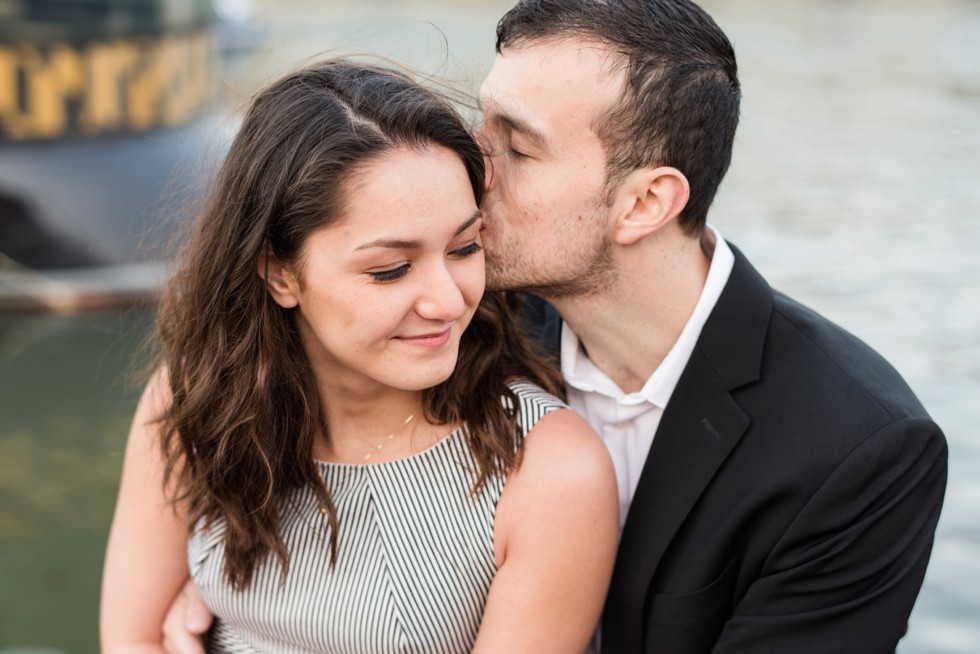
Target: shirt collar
(582,374)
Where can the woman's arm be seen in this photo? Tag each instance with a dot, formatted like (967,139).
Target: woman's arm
(555,541)
(146,560)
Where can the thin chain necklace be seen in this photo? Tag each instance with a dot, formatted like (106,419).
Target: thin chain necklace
(375,448)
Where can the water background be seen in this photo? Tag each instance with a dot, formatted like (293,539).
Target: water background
(855,187)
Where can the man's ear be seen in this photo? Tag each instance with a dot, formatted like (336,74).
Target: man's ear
(650,198)
(281,283)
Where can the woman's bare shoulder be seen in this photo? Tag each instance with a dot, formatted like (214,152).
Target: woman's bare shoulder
(563,449)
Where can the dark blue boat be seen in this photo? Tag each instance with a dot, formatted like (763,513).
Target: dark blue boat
(107,134)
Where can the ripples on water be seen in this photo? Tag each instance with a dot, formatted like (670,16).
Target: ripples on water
(853,188)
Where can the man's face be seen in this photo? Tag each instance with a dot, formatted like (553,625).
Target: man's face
(547,221)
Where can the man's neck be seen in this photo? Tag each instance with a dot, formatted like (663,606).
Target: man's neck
(628,329)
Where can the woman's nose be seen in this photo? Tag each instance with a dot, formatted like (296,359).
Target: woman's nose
(441,298)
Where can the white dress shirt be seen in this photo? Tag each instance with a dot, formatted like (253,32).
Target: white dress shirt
(627,422)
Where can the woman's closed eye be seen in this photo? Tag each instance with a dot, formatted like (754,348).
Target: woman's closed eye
(390,274)
(394,274)
(467,250)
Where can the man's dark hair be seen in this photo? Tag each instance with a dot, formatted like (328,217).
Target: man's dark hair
(681,102)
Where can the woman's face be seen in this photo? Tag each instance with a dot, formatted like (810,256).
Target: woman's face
(383,294)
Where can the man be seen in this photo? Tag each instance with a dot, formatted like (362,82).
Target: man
(779,483)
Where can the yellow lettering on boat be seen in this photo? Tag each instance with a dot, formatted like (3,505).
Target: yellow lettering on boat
(102,87)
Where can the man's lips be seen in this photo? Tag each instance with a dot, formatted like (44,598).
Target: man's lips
(431,340)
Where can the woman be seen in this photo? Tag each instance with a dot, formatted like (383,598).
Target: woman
(359,447)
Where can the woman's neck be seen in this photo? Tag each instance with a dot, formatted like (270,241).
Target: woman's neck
(387,425)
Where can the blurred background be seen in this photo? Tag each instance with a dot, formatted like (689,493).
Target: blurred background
(854,188)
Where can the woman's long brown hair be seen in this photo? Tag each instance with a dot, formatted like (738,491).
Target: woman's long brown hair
(239,432)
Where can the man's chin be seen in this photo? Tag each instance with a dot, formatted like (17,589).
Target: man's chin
(498,282)
(503,273)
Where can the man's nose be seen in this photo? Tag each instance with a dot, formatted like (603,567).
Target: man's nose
(489,182)
(483,140)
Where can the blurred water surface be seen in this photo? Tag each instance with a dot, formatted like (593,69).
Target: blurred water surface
(853,188)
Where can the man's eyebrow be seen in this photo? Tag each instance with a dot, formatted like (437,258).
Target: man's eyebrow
(400,244)
(517,125)
(494,112)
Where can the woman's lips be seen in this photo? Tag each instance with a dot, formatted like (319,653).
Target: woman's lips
(431,341)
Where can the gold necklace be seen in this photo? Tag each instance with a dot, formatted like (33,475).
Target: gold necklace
(377,448)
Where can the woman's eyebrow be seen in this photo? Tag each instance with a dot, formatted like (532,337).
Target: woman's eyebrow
(402,244)
(468,223)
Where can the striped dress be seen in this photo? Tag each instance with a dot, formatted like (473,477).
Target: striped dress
(413,569)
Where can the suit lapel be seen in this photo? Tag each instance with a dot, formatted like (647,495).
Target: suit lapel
(699,428)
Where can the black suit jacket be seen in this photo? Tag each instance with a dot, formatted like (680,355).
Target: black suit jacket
(789,499)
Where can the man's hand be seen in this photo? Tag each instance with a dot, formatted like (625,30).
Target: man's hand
(187,620)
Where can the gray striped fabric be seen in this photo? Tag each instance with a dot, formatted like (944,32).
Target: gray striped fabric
(413,570)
